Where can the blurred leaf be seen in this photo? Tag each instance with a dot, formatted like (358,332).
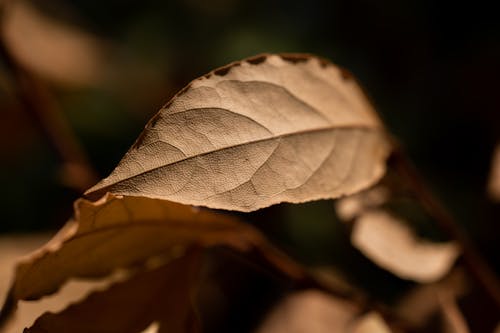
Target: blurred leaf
(229,138)
(318,312)
(370,323)
(353,206)
(51,49)
(309,311)
(393,246)
(153,328)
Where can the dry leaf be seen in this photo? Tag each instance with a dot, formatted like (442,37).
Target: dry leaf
(370,323)
(315,311)
(12,247)
(309,311)
(49,48)
(163,295)
(353,206)
(153,328)
(122,231)
(265,130)
(28,311)
(393,246)
(494,182)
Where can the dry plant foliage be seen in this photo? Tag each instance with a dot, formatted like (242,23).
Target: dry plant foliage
(171,307)
(390,242)
(64,54)
(258,132)
(313,311)
(309,311)
(255,133)
(392,245)
(119,232)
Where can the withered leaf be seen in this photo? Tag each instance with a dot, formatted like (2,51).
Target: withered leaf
(370,323)
(26,312)
(353,206)
(264,130)
(64,54)
(393,246)
(316,311)
(309,311)
(163,295)
(122,231)
(12,247)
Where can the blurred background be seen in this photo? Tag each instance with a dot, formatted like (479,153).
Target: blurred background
(79,79)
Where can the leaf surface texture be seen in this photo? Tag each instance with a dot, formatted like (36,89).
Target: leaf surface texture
(265,130)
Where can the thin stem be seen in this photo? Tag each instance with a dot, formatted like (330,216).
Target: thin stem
(42,108)
(270,259)
(474,262)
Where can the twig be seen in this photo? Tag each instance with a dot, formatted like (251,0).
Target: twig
(43,110)
(275,262)
(474,262)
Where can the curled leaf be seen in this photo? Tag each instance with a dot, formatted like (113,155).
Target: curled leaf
(393,246)
(75,290)
(353,206)
(264,130)
(122,231)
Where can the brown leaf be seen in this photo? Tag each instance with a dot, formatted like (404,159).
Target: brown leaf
(51,49)
(392,245)
(309,311)
(75,290)
(318,312)
(494,182)
(11,249)
(265,130)
(122,231)
(163,295)
(370,323)
(353,206)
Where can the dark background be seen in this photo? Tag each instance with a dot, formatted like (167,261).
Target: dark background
(431,68)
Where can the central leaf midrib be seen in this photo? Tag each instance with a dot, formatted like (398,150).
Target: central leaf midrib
(276,137)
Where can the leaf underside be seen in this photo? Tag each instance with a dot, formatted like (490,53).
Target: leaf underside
(258,132)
